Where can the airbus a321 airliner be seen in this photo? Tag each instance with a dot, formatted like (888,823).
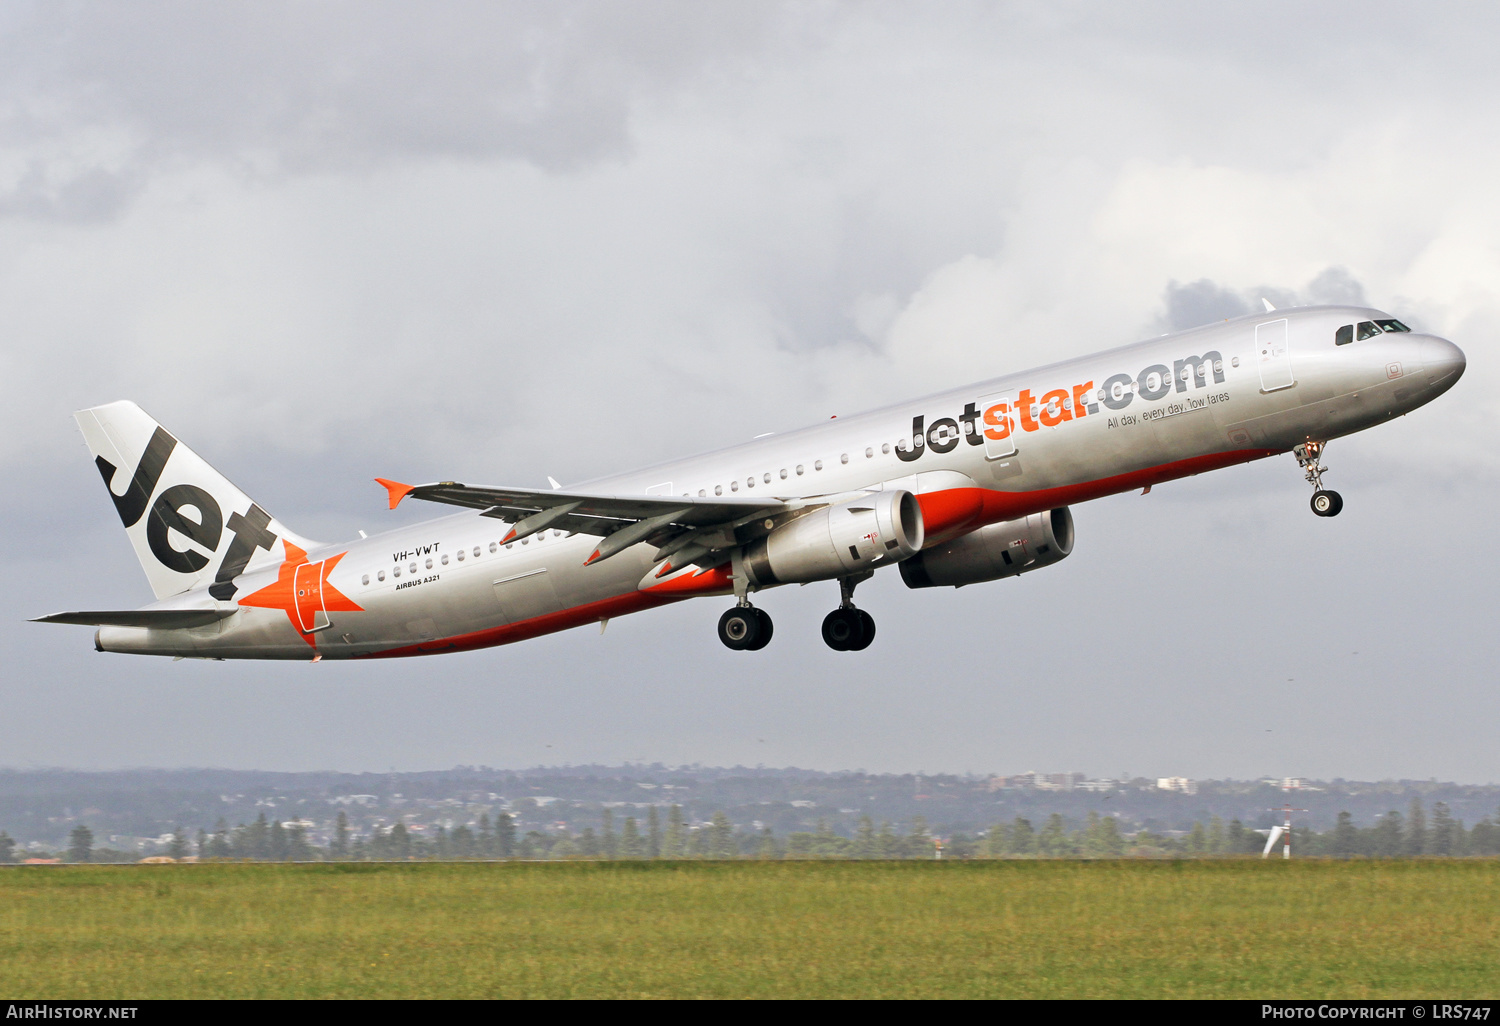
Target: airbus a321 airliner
(957,488)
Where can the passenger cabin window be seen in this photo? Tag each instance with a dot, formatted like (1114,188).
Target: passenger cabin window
(445,559)
(365,579)
(783,474)
(718,489)
(1344,335)
(817,464)
(493,547)
(844,458)
(380,576)
(885,447)
(799,470)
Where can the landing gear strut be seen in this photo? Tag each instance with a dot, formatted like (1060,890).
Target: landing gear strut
(847,629)
(1325,503)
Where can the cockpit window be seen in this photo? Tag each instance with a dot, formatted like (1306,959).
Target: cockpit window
(1367,329)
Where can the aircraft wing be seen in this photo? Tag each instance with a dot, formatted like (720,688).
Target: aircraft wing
(161,619)
(674,522)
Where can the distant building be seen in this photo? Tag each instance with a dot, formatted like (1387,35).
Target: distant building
(1180,784)
(1032,780)
(1097,785)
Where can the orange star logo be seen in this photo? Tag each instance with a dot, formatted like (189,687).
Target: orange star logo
(303,592)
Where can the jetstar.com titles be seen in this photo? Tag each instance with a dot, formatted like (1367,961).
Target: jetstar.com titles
(1028,412)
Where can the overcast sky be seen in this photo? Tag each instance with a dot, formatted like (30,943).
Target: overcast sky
(323,242)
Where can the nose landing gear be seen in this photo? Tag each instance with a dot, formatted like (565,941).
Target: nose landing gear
(848,629)
(1325,502)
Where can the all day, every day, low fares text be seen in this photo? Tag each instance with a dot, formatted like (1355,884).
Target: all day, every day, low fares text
(959,488)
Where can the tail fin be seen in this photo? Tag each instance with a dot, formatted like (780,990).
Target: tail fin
(190,527)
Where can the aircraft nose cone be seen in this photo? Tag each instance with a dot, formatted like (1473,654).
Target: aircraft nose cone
(1445,363)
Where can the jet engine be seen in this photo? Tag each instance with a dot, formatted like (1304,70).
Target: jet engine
(990,553)
(836,541)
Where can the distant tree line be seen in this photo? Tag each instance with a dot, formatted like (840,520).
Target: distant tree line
(1392,836)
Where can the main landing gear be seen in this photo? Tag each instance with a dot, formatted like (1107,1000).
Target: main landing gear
(745,628)
(1325,502)
(847,629)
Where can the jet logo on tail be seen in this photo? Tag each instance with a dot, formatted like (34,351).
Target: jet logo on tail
(250,529)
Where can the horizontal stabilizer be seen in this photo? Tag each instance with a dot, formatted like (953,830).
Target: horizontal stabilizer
(161,619)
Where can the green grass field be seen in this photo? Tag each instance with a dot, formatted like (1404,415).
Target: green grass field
(1241,928)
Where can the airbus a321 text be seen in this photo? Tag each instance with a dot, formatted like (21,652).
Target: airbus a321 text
(957,488)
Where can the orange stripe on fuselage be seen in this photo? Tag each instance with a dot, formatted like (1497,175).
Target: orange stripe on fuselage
(706,582)
(950,512)
(1011,506)
(620,605)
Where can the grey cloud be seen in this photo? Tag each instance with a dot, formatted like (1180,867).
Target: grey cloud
(299,87)
(1203,301)
(1336,285)
(1199,302)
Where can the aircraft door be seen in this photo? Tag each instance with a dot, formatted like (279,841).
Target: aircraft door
(998,425)
(308,583)
(1274,355)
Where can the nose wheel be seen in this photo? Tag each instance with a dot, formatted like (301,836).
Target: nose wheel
(1325,502)
(848,629)
(745,629)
